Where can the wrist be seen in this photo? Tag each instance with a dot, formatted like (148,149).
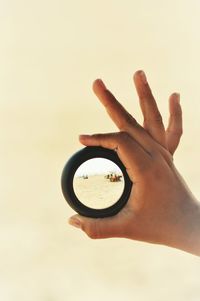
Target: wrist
(186,232)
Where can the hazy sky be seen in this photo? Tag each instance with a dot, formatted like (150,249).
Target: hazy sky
(97,166)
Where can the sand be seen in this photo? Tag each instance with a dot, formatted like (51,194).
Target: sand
(98,192)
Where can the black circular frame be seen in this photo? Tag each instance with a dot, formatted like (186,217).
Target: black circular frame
(71,167)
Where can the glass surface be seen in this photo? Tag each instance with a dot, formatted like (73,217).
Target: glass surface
(98,183)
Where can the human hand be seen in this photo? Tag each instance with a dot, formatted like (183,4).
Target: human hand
(160,208)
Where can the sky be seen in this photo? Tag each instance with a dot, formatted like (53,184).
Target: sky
(97,166)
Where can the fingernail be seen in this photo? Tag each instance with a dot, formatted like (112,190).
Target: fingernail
(75,222)
(143,77)
(101,83)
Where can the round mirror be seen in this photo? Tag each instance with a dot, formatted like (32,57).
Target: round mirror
(95,182)
(98,183)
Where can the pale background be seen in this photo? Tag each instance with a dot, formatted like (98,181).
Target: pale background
(50,53)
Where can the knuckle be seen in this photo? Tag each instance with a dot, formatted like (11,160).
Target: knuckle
(92,234)
(176,115)
(127,121)
(123,136)
(179,132)
(176,132)
(158,118)
(93,231)
(130,120)
(97,136)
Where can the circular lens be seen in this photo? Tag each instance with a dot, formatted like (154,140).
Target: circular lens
(95,182)
(98,183)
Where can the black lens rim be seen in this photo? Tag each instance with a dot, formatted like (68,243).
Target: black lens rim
(91,152)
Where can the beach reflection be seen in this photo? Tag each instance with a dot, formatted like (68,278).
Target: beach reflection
(98,183)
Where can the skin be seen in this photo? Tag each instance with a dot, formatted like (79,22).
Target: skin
(161,209)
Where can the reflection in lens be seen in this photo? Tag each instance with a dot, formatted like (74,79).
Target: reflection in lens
(98,183)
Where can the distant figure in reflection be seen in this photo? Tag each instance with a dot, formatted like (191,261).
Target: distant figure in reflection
(108,176)
(113,177)
(85,177)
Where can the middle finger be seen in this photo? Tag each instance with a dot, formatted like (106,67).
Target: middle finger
(152,118)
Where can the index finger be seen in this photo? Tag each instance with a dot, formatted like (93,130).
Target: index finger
(133,156)
(114,108)
(123,120)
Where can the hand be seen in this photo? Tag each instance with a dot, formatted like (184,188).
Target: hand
(160,209)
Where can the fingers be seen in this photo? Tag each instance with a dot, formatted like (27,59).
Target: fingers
(152,117)
(133,156)
(95,228)
(123,120)
(175,128)
(115,110)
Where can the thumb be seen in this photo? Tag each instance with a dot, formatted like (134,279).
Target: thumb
(96,228)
